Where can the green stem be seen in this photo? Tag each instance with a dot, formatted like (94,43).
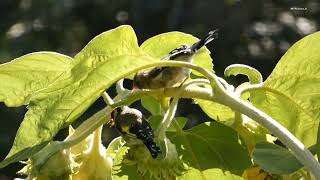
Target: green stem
(302,154)
(167,119)
(195,81)
(253,75)
(175,92)
(220,96)
(107,98)
(119,87)
(87,127)
(95,146)
(285,136)
(260,87)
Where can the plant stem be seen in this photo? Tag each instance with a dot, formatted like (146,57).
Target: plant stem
(217,94)
(96,143)
(300,152)
(167,119)
(195,81)
(107,99)
(119,87)
(87,127)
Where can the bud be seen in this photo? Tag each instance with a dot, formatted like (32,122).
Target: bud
(82,146)
(94,162)
(94,165)
(58,166)
(161,168)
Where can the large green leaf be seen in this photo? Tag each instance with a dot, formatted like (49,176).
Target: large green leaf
(211,145)
(275,159)
(159,46)
(28,74)
(293,90)
(94,70)
(208,174)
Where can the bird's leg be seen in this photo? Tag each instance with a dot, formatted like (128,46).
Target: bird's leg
(185,80)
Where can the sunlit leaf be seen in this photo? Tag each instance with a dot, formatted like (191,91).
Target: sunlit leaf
(211,145)
(120,170)
(29,74)
(159,46)
(292,95)
(66,99)
(216,111)
(193,174)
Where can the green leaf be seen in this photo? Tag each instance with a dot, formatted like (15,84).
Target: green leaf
(275,159)
(253,75)
(155,121)
(122,170)
(128,172)
(159,46)
(29,74)
(291,93)
(193,174)
(302,173)
(211,145)
(178,122)
(93,71)
(114,146)
(116,42)
(151,104)
(216,111)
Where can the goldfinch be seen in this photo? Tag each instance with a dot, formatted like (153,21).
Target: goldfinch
(163,77)
(134,128)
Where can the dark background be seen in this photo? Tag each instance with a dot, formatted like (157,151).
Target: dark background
(252,32)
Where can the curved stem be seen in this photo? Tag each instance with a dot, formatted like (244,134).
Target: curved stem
(95,146)
(107,99)
(285,136)
(167,119)
(253,74)
(195,81)
(301,153)
(119,87)
(87,127)
(176,92)
(244,89)
(220,96)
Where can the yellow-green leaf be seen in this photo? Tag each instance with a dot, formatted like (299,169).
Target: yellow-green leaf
(94,70)
(291,94)
(29,74)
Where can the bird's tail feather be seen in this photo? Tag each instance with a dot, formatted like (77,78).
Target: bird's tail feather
(153,148)
(212,35)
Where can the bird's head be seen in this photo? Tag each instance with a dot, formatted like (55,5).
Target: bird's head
(140,80)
